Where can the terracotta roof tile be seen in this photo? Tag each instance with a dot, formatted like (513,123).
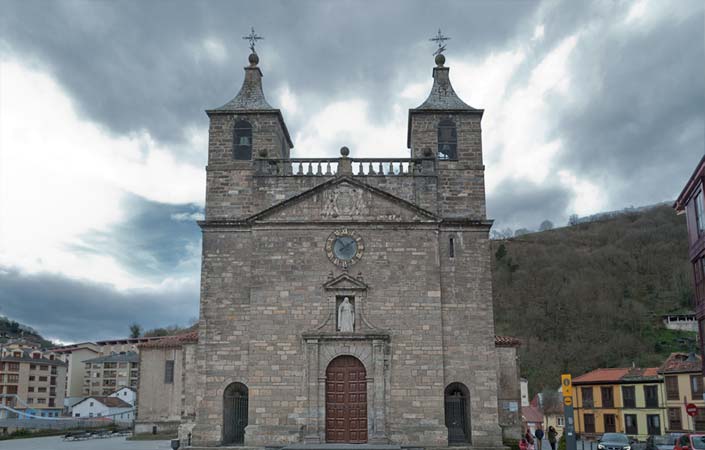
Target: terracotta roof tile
(506,341)
(681,362)
(601,376)
(173,341)
(531,414)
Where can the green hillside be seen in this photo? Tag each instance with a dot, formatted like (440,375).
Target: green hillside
(591,295)
(9,329)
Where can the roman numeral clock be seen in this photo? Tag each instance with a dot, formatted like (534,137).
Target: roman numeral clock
(344,248)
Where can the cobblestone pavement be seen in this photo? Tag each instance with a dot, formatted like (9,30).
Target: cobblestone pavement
(56,443)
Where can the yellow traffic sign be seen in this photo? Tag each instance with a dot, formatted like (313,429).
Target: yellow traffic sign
(567,385)
(567,401)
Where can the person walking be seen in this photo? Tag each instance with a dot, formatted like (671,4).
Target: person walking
(552,433)
(539,436)
(529,438)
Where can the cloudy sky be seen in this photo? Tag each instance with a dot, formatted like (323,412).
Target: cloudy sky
(590,106)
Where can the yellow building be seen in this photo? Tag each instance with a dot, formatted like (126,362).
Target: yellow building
(624,400)
(683,384)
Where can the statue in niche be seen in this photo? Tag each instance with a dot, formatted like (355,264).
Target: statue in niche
(346,316)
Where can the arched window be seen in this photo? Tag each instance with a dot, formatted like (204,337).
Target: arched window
(242,142)
(447,140)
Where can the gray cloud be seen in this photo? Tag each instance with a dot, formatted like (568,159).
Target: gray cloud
(523,204)
(639,128)
(75,310)
(155,241)
(137,65)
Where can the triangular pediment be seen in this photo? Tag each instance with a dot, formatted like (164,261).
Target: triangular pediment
(345,282)
(344,199)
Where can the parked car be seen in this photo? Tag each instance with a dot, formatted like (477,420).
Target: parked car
(690,442)
(614,441)
(664,442)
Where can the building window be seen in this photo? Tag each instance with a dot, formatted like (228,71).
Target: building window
(674,419)
(630,424)
(653,424)
(629,399)
(560,421)
(696,386)
(451,248)
(586,393)
(610,423)
(699,420)
(699,213)
(672,388)
(169,372)
(447,140)
(589,421)
(607,397)
(651,396)
(699,278)
(242,142)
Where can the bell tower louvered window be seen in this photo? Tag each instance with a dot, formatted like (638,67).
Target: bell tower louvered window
(242,143)
(447,140)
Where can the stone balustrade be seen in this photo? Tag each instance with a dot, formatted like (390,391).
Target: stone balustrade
(327,167)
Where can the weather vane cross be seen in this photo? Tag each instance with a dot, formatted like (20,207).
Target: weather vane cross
(439,39)
(253,38)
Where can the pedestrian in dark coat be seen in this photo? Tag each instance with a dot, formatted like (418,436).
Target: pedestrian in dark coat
(539,436)
(552,434)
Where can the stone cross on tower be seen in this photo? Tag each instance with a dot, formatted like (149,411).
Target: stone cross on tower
(439,39)
(254,37)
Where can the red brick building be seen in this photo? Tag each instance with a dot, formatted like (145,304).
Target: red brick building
(691,201)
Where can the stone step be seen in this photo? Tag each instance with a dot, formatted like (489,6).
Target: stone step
(342,447)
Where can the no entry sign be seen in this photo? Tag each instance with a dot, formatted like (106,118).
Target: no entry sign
(691,409)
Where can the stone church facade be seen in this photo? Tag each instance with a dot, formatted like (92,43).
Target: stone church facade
(346,300)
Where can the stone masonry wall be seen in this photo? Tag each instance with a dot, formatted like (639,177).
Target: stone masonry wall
(509,394)
(468,327)
(461,183)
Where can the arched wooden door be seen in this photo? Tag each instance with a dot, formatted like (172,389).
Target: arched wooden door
(234,413)
(456,412)
(346,401)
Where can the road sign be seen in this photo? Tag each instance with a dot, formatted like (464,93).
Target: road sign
(691,409)
(569,430)
(566,385)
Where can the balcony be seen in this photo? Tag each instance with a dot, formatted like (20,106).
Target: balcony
(361,167)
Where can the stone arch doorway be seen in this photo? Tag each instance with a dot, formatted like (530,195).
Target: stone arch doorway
(235,399)
(346,401)
(457,400)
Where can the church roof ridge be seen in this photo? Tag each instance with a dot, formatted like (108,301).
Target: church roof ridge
(251,95)
(442,96)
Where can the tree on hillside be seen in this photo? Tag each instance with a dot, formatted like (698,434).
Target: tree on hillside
(521,232)
(573,220)
(135,330)
(558,292)
(546,225)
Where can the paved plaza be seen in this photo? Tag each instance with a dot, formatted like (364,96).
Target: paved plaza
(57,443)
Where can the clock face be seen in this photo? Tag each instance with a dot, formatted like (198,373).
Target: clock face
(344,248)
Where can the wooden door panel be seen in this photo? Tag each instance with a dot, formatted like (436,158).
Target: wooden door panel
(346,401)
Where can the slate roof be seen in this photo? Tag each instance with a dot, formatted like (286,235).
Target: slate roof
(173,341)
(251,99)
(132,357)
(251,95)
(110,402)
(443,96)
(27,357)
(681,363)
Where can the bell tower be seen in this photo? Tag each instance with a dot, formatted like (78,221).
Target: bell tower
(242,131)
(447,129)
